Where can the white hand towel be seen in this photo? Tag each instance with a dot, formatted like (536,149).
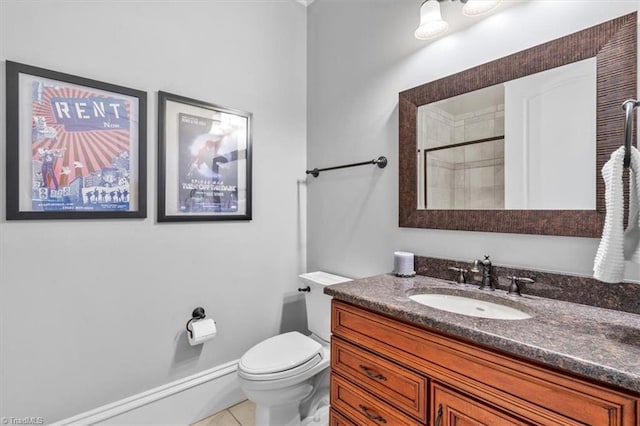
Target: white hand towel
(632,233)
(609,262)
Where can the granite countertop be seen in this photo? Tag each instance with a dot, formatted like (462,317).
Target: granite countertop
(597,343)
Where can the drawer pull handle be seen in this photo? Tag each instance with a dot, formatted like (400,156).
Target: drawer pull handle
(371,416)
(372,373)
(439,418)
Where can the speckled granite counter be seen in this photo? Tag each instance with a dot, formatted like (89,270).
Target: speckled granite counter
(592,342)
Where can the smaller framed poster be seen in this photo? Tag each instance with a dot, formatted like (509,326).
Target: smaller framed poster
(204,161)
(76,148)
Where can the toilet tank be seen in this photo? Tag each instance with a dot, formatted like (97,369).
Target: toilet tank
(319,304)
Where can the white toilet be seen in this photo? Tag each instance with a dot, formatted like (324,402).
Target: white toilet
(287,375)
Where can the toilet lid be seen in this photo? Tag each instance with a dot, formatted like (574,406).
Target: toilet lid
(280,353)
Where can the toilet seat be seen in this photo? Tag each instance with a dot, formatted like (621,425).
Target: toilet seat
(280,356)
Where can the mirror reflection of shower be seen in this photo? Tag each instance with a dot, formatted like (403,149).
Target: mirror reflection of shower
(526,144)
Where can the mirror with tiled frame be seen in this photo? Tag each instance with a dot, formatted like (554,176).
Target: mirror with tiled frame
(613,45)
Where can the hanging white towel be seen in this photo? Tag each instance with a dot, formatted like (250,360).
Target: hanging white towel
(632,233)
(609,262)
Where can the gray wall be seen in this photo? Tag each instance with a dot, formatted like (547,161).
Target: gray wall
(94,311)
(361,54)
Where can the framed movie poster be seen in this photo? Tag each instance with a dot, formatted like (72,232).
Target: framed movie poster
(204,161)
(76,148)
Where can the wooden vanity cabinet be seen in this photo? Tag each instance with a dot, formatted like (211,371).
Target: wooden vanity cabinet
(388,372)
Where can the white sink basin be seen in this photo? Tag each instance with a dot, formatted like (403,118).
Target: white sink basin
(470,307)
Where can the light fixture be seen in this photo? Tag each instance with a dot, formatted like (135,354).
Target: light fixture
(478,7)
(431,23)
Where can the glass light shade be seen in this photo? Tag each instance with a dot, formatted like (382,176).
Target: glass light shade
(479,7)
(431,23)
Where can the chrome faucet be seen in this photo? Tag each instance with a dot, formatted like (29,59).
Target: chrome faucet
(486,272)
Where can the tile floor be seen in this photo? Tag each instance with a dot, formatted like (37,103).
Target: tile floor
(242,414)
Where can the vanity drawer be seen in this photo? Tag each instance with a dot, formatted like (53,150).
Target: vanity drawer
(337,419)
(402,388)
(363,408)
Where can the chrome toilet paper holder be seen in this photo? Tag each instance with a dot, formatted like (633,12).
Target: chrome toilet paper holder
(197,314)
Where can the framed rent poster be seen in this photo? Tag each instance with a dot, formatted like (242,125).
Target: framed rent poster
(204,161)
(76,148)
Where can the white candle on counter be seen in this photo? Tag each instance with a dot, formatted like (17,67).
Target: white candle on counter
(403,264)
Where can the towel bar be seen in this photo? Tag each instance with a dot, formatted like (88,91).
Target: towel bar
(628,106)
(381,162)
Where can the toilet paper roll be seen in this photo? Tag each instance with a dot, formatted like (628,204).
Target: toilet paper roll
(201,331)
(403,264)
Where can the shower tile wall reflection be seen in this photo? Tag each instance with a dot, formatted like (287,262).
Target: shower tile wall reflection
(466,177)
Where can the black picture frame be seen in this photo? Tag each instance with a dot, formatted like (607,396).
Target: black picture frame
(204,161)
(67,134)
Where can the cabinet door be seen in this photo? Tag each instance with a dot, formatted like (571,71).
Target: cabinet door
(451,408)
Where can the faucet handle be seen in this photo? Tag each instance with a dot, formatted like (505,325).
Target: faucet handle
(514,288)
(461,274)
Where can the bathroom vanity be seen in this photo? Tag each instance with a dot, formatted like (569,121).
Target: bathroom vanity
(397,362)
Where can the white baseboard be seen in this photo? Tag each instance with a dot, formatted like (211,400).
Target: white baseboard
(182,402)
